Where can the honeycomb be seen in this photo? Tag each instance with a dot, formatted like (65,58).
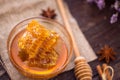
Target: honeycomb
(37,46)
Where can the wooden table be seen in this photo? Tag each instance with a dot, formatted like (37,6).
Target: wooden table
(98,31)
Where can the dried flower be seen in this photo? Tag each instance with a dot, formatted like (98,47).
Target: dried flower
(99,3)
(107,54)
(117,5)
(114,18)
(49,13)
(102,3)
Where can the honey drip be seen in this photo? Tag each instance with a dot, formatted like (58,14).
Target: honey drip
(37,46)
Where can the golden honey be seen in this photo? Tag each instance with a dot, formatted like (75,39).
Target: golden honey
(39,47)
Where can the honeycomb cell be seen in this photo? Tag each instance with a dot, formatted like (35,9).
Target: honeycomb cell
(37,46)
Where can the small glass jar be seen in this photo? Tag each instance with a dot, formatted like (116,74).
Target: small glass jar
(36,73)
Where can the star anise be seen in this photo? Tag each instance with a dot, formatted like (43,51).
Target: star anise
(107,53)
(49,13)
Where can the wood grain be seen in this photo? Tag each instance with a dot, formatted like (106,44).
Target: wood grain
(98,31)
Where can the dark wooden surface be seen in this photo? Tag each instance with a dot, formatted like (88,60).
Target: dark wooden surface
(98,31)
(96,26)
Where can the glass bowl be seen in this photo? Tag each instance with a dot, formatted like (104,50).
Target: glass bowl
(12,46)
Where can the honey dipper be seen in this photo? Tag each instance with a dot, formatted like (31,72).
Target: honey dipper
(82,68)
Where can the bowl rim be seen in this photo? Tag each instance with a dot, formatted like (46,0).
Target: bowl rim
(59,70)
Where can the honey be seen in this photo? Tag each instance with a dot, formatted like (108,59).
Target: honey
(37,46)
(57,49)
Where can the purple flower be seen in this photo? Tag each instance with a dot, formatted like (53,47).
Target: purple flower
(117,5)
(114,18)
(100,4)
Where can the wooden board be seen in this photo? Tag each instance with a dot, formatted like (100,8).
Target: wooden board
(96,27)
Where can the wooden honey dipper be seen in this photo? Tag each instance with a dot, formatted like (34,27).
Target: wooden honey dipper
(82,68)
